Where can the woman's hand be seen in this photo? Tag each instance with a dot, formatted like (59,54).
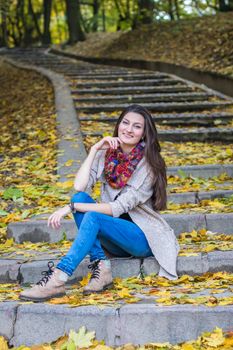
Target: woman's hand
(107,142)
(55,219)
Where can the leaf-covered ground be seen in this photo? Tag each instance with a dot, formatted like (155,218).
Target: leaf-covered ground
(209,289)
(204,43)
(185,183)
(28,146)
(83,339)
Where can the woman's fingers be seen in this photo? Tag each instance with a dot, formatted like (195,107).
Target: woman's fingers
(114,142)
(54,220)
(108,141)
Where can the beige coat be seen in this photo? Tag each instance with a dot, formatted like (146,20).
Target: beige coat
(134,199)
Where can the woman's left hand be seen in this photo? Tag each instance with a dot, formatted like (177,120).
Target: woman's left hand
(55,219)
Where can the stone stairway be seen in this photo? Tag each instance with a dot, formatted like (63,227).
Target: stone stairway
(183,112)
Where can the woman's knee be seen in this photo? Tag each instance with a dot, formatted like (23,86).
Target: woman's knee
(91,215)
(80,197)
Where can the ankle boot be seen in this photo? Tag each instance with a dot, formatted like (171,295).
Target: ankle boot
(52,285)
(101,277)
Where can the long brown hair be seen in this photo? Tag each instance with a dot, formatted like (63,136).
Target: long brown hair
(152,155)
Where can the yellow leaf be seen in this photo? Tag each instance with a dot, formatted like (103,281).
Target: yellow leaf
(9,242)
(85,280)
(66,184)
(229,152)
(202,232)
(69,162)
(102,347)
(187,347)
(124,293)
(82,338)
(157,345)
(228,343)
(3,344)
(128,346)
(214,339)
(41,347)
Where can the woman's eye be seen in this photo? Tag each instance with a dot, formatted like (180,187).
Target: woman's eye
(124,122)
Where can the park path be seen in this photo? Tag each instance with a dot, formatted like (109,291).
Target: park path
(184,112)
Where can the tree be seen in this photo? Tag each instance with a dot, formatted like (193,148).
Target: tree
(145,8)
(225,5)
(73,20)
(3,14)
(47,5)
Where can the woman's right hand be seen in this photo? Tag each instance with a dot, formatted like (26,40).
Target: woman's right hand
(55,219)
(107,142)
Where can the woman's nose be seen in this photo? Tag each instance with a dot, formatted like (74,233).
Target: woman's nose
(129,128)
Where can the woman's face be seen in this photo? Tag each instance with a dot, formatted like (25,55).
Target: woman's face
(131,128)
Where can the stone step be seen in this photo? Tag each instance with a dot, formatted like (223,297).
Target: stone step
(195,96)
(158,107)
(94,70)
(117,72)
(119,76)
(205,171)
(27,268)
(200,119)
(134,89)
(148,82)
(182,135)
(196,197)
(37,230)
(145,322)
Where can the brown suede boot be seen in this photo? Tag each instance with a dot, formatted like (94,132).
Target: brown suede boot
(52,285)
(101,277)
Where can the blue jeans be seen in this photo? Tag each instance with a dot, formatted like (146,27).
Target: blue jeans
(96,230)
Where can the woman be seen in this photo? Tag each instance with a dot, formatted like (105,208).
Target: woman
(126,222)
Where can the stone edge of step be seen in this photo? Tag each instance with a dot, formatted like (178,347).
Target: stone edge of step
(179,132)
(67,121)
(38,231)
(197,196)
(202,75)
(38,323)
(205,171)
(29,271)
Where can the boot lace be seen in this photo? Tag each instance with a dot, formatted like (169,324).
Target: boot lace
(47,274)
(95,269)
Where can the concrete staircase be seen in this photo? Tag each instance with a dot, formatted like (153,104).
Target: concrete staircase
(183,111)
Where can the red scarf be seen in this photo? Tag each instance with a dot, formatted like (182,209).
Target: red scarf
(119,166)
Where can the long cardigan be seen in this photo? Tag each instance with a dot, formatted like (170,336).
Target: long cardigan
(135,199)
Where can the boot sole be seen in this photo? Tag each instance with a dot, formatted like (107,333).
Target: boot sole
(108,286)
(38,300)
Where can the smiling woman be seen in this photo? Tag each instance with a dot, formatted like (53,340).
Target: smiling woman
(126,222)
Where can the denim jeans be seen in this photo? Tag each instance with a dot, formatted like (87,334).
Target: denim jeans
(96,230)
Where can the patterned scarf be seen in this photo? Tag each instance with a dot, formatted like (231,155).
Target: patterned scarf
(119,166)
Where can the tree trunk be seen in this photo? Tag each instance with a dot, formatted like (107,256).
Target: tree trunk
(33,15)
(58,22)
(177,9)
(170,10)
(4,34)
(95,15)
(47,5)
(146,8)
(73,20)
(225,6)
(19,22)
(103,16)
